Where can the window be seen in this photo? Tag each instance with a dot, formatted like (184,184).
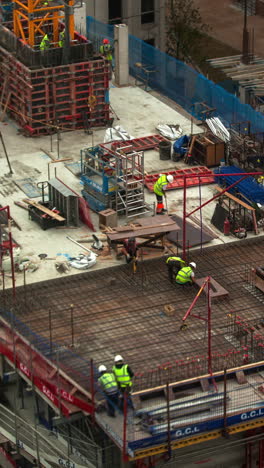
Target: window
(115,11)
(147,11)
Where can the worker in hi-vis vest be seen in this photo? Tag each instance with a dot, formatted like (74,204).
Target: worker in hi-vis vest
(174,264)
(124,375)
(109,386)
(106,50)
(185,275)
(159,189)
(45,43)
(62,38)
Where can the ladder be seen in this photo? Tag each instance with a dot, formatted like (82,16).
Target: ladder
(130,197)
(38,442)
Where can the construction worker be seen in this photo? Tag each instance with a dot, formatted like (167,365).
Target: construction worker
(174,264)
(62,38)
(106,50)
(124,375)
(45,43)
(185,275)
(261,180)
(130,249)
(109,386)
(159,190)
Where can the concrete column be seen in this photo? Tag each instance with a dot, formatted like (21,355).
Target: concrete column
(80,19)
(121,55)
(162,25)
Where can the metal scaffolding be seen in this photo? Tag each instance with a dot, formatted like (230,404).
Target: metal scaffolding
(34,18)
(114,179)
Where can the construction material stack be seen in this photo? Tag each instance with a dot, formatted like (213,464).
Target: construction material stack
(51,86)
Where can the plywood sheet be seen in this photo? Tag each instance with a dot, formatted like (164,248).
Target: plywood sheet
(193,234)
(152,225)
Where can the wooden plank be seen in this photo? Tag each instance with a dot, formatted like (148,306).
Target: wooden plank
(48,153)
(60,160)
(198,378)
(235,199)
(21,205)
(142,232)
(44,209)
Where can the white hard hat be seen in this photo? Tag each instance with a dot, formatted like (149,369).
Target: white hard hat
(118,358)
(170,178)
(102,368)
(193,264)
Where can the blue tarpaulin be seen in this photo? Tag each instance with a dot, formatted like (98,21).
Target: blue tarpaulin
(180,146)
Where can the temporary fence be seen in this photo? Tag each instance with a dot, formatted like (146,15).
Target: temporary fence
(177,80)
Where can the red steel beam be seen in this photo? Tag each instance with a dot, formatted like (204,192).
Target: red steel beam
(186,215)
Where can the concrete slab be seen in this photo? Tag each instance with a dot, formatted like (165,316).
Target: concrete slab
(139,113)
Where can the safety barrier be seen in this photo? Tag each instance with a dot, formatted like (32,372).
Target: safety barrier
(177,80)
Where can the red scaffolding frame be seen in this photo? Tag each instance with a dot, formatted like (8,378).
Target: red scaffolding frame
(187,215)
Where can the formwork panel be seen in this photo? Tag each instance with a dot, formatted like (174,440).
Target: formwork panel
(42,99)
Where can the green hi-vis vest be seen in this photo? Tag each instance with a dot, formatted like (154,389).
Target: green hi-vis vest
(108,382)
(105,49)
(158,187)
(184,275)
(45,43)
(122,376)
(61,38)
(176,259)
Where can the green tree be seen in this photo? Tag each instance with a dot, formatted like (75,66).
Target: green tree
(185,29)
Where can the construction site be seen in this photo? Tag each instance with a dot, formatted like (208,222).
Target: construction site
(82,151)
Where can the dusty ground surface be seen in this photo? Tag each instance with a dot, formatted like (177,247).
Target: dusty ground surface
(226,22)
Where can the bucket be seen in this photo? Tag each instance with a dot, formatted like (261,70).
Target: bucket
(165,150)
(176,156)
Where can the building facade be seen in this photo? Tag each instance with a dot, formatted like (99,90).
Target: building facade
(145,18)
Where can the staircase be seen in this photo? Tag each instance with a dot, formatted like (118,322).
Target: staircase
(40,443)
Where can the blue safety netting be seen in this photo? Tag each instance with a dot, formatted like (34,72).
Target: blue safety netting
(177,80)
(249,187)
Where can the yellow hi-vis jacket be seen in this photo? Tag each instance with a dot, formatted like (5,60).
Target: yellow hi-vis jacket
(176,259)
(62,38)
(108,383)
(184,275)
(45,43)
(161,182)
(122,376)
(106,50)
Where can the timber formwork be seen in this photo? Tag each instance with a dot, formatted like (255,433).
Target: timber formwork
(44,95)
(113,310)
